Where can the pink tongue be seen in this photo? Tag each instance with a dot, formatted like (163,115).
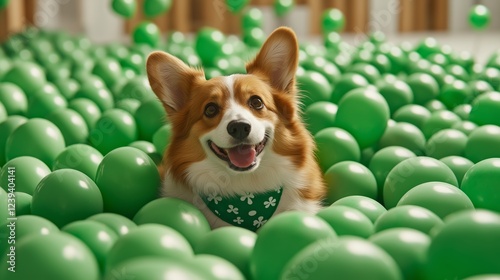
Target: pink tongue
(242,156)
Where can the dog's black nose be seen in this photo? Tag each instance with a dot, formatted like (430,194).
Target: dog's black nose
(239,129)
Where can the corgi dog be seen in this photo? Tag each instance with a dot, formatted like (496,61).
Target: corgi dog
(239,150)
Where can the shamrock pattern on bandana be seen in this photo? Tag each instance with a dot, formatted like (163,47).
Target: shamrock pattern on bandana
(250,211)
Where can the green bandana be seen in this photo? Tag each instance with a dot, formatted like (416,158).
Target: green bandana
(250,211)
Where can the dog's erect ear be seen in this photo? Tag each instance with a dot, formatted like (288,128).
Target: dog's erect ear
(171,79)
(278,58)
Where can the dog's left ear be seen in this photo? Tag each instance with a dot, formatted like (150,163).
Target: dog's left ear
(278,59)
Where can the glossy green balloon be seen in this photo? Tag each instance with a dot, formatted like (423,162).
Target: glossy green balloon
(117,223)
(150,116)
(408,247)
(323,66)
(65,196)
(252,18)
(4,3)
(53,256)
(14,99)
(137,88)
(28,172)
(332,21)
(23,204)
(479,17)
(404,135)
(81,157)
(479,87)
(370,207)
(100,96)
(314,86)
(371,74)
(335,145)
(214,267)
(42,105)
(281,7)
(459,166)
(155,268)
(466,127)
(412,172)
(49,144)
(146,33)
(153,8)
(446,142)
(463,111)
(347,221)
(236,6)
(364,114)
(320,115)
(208,45)
(476,232)
(281,238)
(439,120)
(349,178)
(441,198)
(397,95)
(135,173)
(480,184)
(427,47)
(128,104)
(343,259)
(109,70)
(71,124)
(149,149)
(88,109)
(408,216)
(492,76)
(125,8)
(67,87)
(348,82)
(412,113)
(486,109)
(116,128)
(384,160)
(455,94)
(27,75)
(161,138)
(6,128)
(98,237)
(234,244)
(146,241)
(483,143)
(253,37)
(423,86)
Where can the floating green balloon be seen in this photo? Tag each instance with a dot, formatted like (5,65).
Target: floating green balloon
(251,18)
(483,143)
(4,3)
(476,232)
(423,86)
(116,128)
(146,33)
(208,45)
(323,66)
(479,183)
(479,17)
(408,216)
(335,145)
(282,7)
(347,221)
(153,8)
(397,94)
(254,37)
(349,178)
(125,8)
(109,70)
(236,6)
(455,94)
(332,21)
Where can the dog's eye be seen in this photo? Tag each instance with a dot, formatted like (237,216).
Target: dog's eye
(256,103)
(211,110)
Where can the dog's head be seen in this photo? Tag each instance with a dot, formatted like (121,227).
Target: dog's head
(235,125)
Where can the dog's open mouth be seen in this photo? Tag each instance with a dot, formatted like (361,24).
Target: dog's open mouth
(240,158)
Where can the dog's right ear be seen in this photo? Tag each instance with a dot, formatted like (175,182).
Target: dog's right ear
(171,80)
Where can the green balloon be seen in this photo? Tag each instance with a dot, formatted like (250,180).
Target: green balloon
(343,259)
(455,94)
(438,121)
(49,141)
(281,238)
(486,109)
(26,75)
(404,135)
(149,149)
(153,8)
(349,178)
(408,247)
(146,33)
(397,95)
(479,87)
(412,172)
(177,214)
(116,128)
(100,96)
(28,172)
(335,145)
(117,223)
(53,256)
(408,216)
(412,113)
(328,69)
(320,115)
(208,45)
(370,207)
(6,128)
(41,105)
(65,196)
(88,109)
(98,237)
(348,82)
(364,114)
(371,74)
(479,183)
(128,104)
(463,111)
(254,37)
(427,47)
(490,75)
(315,88)
(161,138)
(214,267)
(155,267)
(150,116)
(71,124)
(423,86)
(233,244)
(235,6)
(446,142)
(109,70)
(81,157)
(475,256)
(148,241)
(347,221)
(23,203)
(384,160)
(332,20)
(458,72)
(137,88)
(466,127)
(483,143)
(459,166)
(125,8)
(281,7)
(14,99)
(135,173)
(479,17)
(252,18)
(4,3)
